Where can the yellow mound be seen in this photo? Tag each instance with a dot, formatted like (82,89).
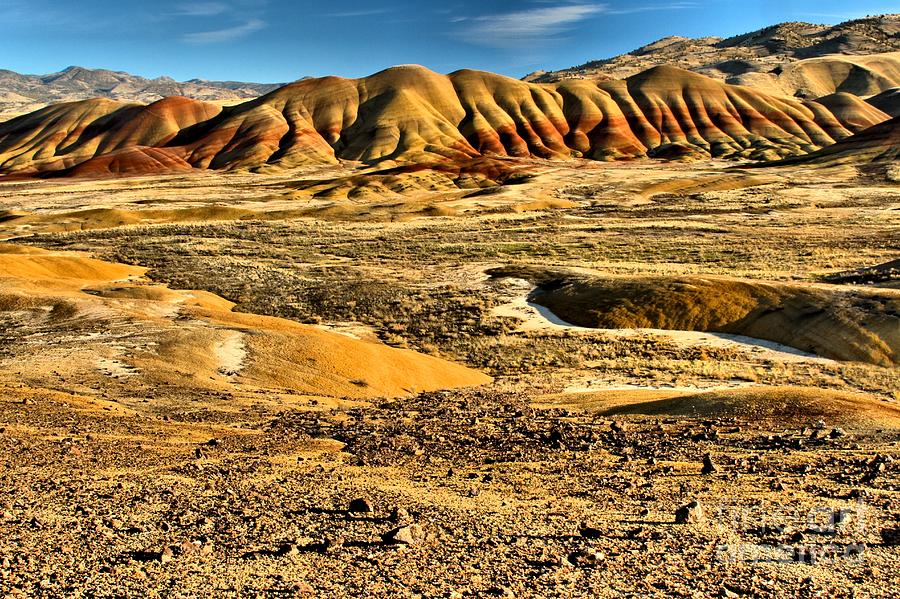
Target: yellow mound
(310,360)
(786,405)
(59,272)
(197,341)
(105,218)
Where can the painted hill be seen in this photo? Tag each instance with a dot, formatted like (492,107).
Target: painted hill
(887,101)
(797,59)
(409,114)
(879,144)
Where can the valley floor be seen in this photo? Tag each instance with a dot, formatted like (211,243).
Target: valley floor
(155,442)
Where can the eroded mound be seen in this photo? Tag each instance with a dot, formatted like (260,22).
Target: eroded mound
(412,115)
(843,324)
(191,338)
(878,144)
(887,101)
(790,406)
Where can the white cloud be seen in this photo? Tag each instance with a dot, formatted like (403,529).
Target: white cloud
(201,9)
(225,35)
(526,26)
(678,5)
(359,13)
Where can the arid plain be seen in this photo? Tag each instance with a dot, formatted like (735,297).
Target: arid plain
(490,373)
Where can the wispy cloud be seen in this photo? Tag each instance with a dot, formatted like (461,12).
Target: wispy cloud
(225,35)
(359,13)
(677,5)
(201,9)
(525,26)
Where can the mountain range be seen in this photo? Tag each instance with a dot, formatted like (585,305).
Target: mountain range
(798,59)
(19,93)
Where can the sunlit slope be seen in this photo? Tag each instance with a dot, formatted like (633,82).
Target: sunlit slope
(194,338)
(877,144)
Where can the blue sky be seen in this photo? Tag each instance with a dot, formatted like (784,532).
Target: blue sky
(282,40)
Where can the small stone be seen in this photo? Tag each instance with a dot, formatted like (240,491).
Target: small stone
(728,593)
(891,536)
(360,506)
(690,513)
(287,550)
(589,532)
(400,515)
(190,547)
(303,588)
(807,554)
(332,544)
(708,466)
(841,516)
(585,557)
(5,564)
(412,534)
(166,555)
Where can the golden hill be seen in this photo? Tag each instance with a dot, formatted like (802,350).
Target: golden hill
(830,321)
(193,338)
(409,114)
(796,406)
(877,144)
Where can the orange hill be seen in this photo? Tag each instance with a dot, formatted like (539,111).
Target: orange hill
(410,114)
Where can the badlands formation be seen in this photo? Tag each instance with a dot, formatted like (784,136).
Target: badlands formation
(411,115)
(630,330)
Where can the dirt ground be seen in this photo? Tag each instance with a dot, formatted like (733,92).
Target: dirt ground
(159,437)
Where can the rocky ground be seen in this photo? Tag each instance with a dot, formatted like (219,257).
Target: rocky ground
(451,494)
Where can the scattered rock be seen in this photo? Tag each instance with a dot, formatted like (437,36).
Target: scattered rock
(690,513)
(836,433)
(400,515)
(287,550)
(585,558)
(412,534)
(332,544)
(708,466)
(890,536)
(589,532)
(360,506)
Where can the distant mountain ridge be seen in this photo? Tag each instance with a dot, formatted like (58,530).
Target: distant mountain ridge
(22,93)
(774,59)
